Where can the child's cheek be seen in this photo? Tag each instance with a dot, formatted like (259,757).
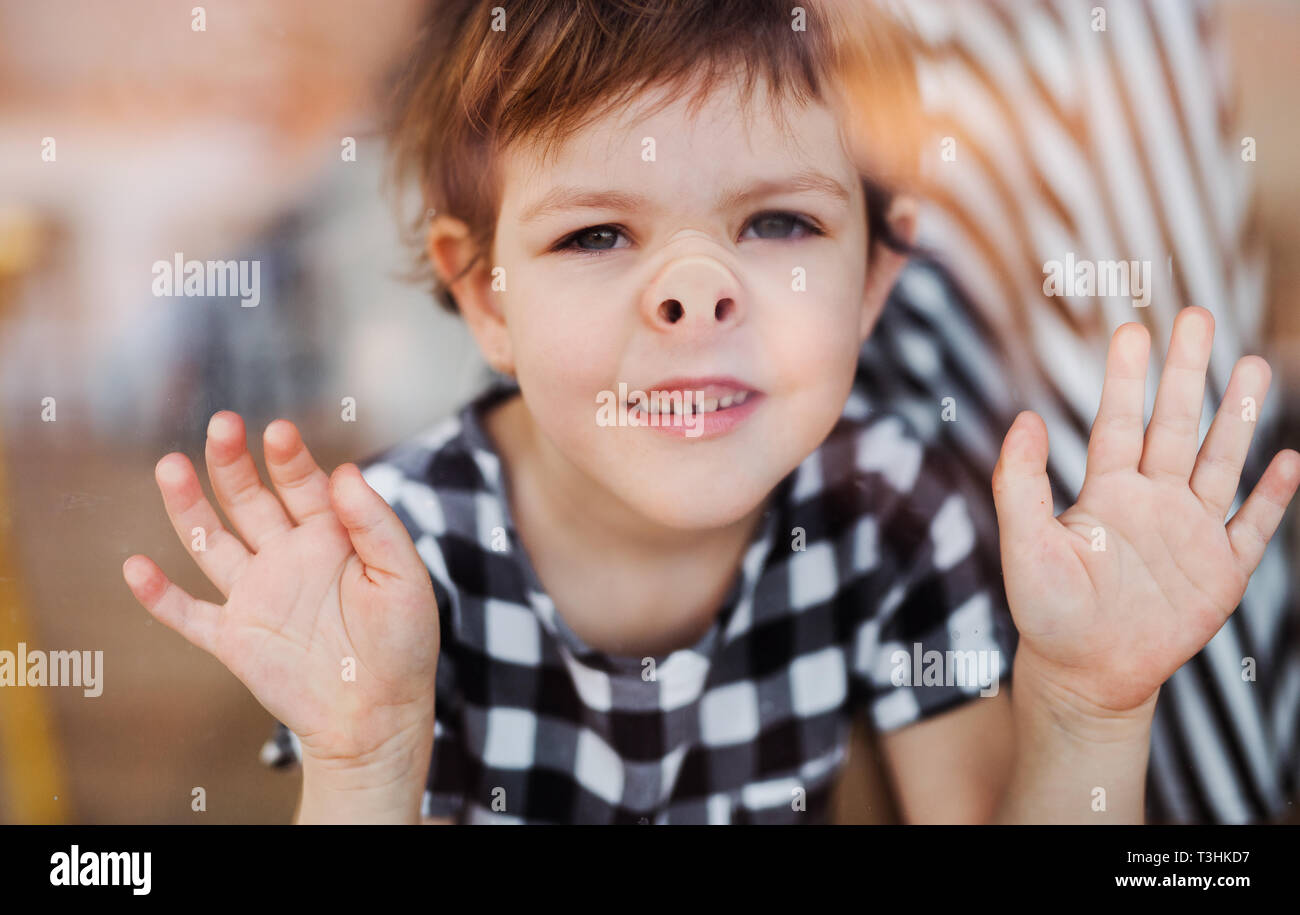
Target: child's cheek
(810,341)
(811,352)
(562,365)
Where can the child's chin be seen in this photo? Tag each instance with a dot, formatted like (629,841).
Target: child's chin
(692,507)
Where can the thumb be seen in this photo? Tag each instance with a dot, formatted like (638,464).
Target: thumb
(1022,492)
(377,534)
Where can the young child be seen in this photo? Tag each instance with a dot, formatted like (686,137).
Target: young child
(652,578)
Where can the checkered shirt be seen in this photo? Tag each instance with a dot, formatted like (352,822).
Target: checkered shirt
(864,565)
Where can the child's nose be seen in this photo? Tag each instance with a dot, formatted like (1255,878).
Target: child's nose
(693,295)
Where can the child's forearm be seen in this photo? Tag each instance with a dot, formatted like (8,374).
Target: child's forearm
(387,792)
(1073,765)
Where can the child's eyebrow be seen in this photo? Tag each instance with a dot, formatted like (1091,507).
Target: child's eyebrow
(563,198)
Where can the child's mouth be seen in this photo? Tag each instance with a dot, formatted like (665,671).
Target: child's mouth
(694,407)
(677,403)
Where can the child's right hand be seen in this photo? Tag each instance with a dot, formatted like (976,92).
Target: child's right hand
(1116,593)
(330,618)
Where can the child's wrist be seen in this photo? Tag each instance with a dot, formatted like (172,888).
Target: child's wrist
(352,797)
(1044,704)
(324,804)
(1068,750)
(385,788)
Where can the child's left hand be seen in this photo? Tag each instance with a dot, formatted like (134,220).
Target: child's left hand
(1126,585)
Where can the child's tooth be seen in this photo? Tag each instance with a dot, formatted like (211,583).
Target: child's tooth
(739,397)
(709,404)
(725,402)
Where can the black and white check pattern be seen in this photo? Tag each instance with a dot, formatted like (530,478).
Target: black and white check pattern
(748,725)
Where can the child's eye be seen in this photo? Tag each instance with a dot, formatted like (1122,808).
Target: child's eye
(591,240)
(770,226)
(780,225)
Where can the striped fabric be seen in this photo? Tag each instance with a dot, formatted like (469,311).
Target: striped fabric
(1051,138)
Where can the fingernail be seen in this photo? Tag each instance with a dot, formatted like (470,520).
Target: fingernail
(132,572)
(218,420)
(169,470)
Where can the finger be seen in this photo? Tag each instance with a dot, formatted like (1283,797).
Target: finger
(302,485)
(1175,430)
(219,553)
(377,534)
(1254,523)
(1116,439)
(1022,492)
(252,508)
(1218,466)
(195,619)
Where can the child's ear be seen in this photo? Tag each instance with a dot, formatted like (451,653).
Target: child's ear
(452,249)
(884,264)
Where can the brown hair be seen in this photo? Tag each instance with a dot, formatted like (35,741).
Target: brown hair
(469,91)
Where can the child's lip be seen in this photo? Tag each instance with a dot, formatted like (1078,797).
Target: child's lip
(705,386)
(729,403)
(703,426)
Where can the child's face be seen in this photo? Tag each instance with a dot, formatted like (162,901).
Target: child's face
(684,280)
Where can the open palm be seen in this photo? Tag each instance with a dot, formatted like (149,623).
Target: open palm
(330,618)
(1126,585)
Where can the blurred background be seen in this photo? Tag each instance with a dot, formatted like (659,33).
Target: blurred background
(129,135)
